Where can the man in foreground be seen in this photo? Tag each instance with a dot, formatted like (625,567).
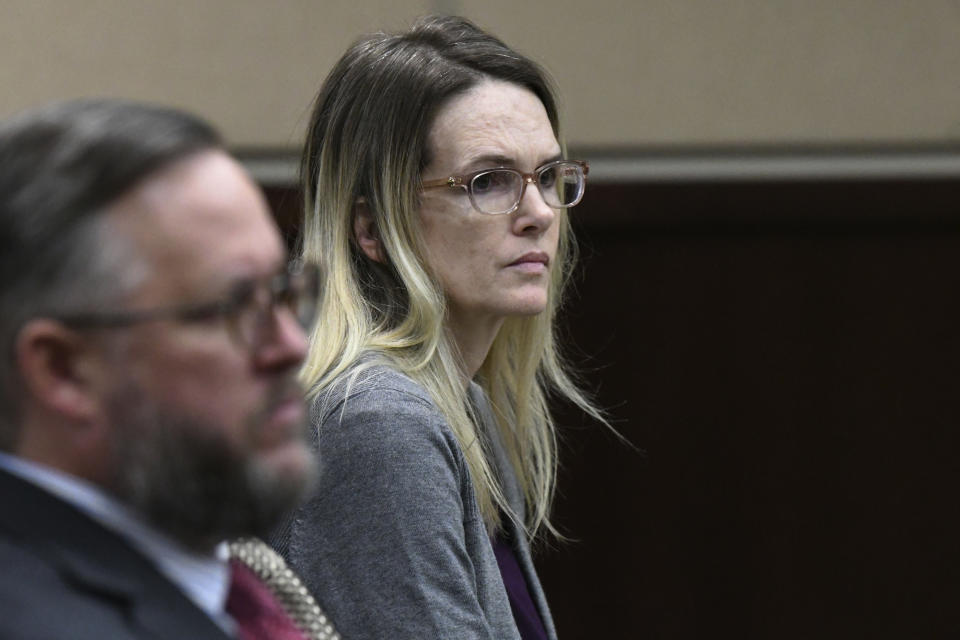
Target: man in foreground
(151,332)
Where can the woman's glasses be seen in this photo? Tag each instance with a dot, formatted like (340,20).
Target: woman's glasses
(499,191)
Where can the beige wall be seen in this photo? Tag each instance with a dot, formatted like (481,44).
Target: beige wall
(631,72)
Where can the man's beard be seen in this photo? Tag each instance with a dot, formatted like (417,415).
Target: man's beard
(183,475)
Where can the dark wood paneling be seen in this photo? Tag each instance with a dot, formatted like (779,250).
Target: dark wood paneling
(786,357)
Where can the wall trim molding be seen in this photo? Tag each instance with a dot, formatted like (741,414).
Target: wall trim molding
(716,165)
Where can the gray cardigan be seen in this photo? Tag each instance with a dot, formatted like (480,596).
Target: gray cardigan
(392,543)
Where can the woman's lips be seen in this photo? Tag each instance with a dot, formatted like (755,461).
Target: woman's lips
(532,262)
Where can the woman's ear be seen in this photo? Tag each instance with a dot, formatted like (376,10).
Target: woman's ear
(365,232)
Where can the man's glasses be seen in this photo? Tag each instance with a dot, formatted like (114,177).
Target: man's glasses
(248,309)
(498,191)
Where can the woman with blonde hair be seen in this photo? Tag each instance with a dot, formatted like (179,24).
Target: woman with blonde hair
(436,201)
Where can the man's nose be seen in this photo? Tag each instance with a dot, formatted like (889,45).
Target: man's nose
(284,343)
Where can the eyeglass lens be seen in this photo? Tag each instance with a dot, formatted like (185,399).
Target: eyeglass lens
(499,190)
(295,292)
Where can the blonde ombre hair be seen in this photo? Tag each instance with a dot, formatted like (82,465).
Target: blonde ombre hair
(366,143)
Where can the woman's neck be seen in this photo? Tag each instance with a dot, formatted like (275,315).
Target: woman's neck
(473,337)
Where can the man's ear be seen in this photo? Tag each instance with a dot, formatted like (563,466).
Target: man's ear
(57,369)
(365,232)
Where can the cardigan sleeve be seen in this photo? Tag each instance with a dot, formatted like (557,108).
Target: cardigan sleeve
(392,542)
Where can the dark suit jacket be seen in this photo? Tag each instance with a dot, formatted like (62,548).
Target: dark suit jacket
(62,575)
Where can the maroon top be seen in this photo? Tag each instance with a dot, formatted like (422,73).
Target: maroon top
(524,611)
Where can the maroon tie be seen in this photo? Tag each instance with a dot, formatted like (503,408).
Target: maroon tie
(258,614)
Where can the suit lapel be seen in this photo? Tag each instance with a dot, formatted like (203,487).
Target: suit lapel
(99,562)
